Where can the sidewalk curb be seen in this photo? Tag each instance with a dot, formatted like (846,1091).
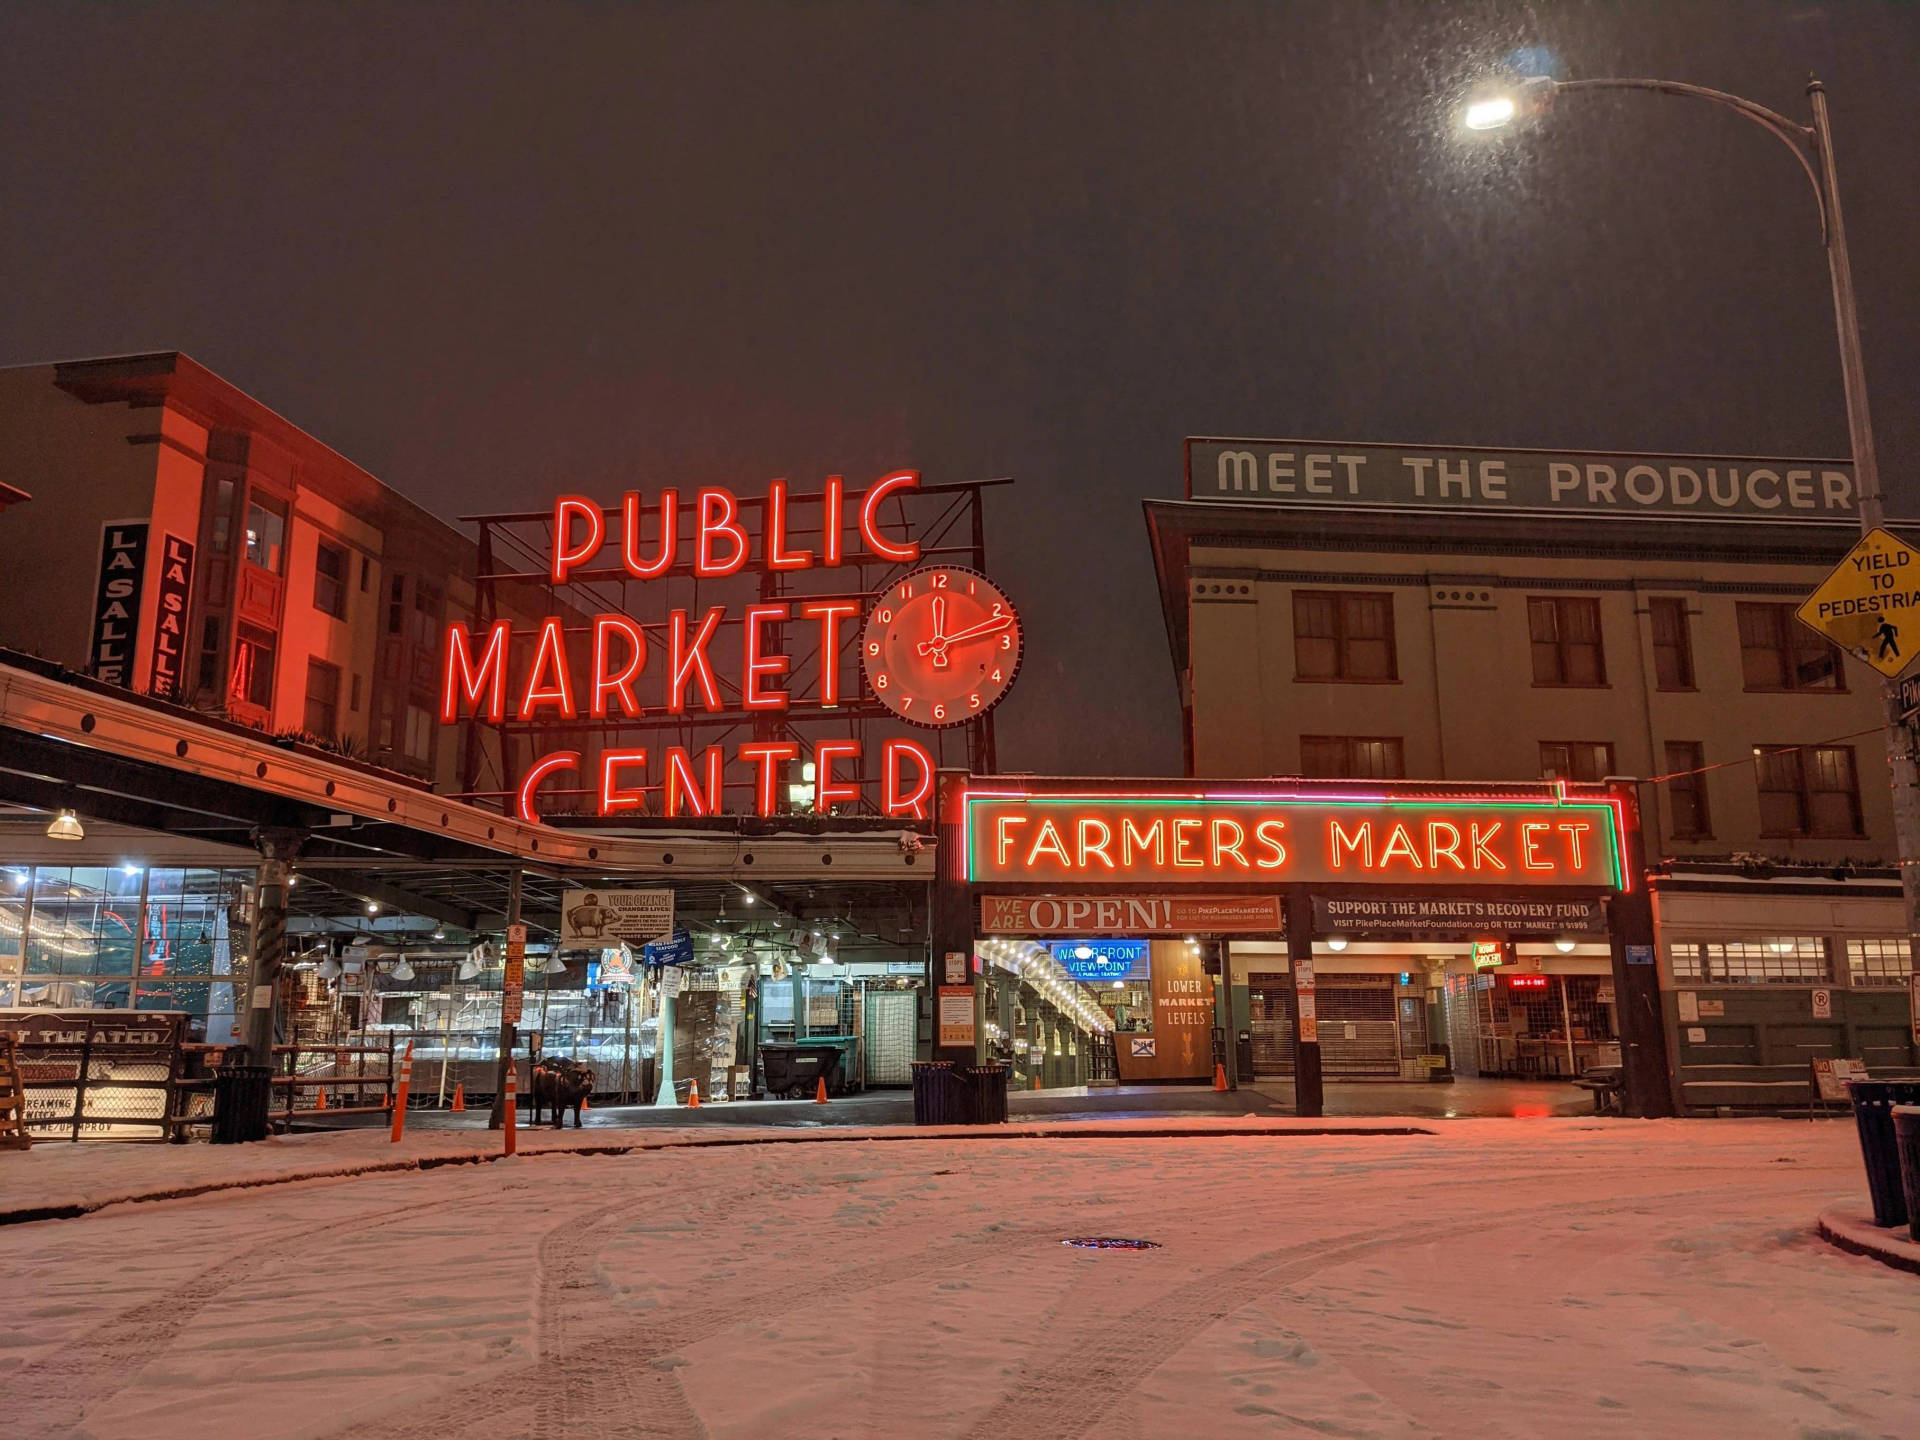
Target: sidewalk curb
(29,1214)
(1858,1235)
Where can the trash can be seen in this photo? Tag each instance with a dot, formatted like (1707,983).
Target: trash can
(1873,1102)
(940,1097)
(988,1084)
(240,1103)
(1906,1135)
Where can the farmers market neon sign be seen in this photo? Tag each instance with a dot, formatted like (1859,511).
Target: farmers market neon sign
(1208,838)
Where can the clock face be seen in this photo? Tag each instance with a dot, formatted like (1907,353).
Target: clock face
(941,646)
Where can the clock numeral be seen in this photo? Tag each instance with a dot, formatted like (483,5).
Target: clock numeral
(940,578)
(1006,642)
(973,587)
(906,592)
(973,701)
(996,676)
(939,712)
(906,703)
(873,647)
(884,616)
(880,681)
(998,610)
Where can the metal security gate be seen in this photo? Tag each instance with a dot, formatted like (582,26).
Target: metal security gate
(1271,1023)
(1359,1033)
(891,1040)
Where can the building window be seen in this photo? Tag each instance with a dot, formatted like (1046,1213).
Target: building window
(419,734)
(210,637)
(1774,960)
(1808,790)
(322,716)
(330,581)
(1777,652)
(1886,961)
(366,573)
(396,604)
(1343,635)
(222,516)
(252,682)
(1586,760)
(266,534)
(1687,790)
(1565,631)
(353,701)
(1672,643)
(1352,757)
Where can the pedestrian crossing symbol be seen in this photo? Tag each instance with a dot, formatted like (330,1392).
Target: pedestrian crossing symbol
(1870,605)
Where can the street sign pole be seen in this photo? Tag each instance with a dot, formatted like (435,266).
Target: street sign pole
(1866,469)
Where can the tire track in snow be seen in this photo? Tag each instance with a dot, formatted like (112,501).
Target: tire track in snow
(640,1357)
(1069,1398)
(89,1370)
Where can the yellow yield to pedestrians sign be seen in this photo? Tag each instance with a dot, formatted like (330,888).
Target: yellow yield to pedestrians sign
(1870,605)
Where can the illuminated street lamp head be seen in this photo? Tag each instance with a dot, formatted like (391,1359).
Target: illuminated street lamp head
(1496,109)
(1492,114)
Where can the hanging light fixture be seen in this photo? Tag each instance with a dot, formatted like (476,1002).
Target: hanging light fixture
(331,969)
(66,826)
(1564,944)
(403,971)
(475,962)
(1336,942)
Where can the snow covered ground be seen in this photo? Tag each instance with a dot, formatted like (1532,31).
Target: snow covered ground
(1498,1277)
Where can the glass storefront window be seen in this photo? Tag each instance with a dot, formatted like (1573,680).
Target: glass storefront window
(85,921)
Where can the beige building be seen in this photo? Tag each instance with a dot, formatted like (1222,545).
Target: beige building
(1375,625)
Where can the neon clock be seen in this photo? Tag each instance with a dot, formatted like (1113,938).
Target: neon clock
(941,646)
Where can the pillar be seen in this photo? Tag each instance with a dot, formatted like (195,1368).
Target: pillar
(1309,1097)
(951,917)
(278,848)
(1645,1071)
(508,1034)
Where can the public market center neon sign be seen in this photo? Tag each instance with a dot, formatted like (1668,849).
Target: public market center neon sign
(1210,838)
(550,686)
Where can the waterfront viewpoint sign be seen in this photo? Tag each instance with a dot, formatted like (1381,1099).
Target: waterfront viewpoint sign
(1341,475)
(1279,838)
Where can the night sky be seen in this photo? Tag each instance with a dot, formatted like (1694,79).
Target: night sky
(491,251)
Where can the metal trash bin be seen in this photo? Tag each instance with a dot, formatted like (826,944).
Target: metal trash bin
(940,1097)
(241,1097)
(1873,1102)
(989,1086)
(1906,1135)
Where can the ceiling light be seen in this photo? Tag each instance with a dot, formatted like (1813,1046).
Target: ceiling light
(66,826)
(402,971)
(330,969)
(1564,944)
(129,869)
(1336,942)
(372,909)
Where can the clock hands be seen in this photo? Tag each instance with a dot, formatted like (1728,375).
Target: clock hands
(937,645)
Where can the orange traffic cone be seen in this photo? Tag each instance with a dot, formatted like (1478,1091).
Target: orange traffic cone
(1219,1076)
(693,1094)
(1036,1081)
(459,1098)
(586,1103)
(820,1094)
(386,1101)
(323,1099)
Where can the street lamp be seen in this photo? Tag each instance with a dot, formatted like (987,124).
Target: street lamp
(1812,147)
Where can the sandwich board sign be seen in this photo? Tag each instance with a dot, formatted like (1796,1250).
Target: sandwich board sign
(1870,604)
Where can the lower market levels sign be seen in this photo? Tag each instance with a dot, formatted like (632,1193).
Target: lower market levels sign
(1173,914)
(1448,913)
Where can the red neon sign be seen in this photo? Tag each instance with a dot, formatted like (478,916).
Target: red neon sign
(617,670)
(1207,839)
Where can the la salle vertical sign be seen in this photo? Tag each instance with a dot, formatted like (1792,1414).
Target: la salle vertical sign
(170,621)
(116,604)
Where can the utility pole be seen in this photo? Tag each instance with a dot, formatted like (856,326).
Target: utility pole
(496,1117)
(1870,501)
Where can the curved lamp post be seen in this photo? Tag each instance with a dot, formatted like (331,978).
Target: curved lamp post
(1812,147)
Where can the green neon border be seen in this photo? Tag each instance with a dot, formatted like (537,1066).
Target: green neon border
(1603,807)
